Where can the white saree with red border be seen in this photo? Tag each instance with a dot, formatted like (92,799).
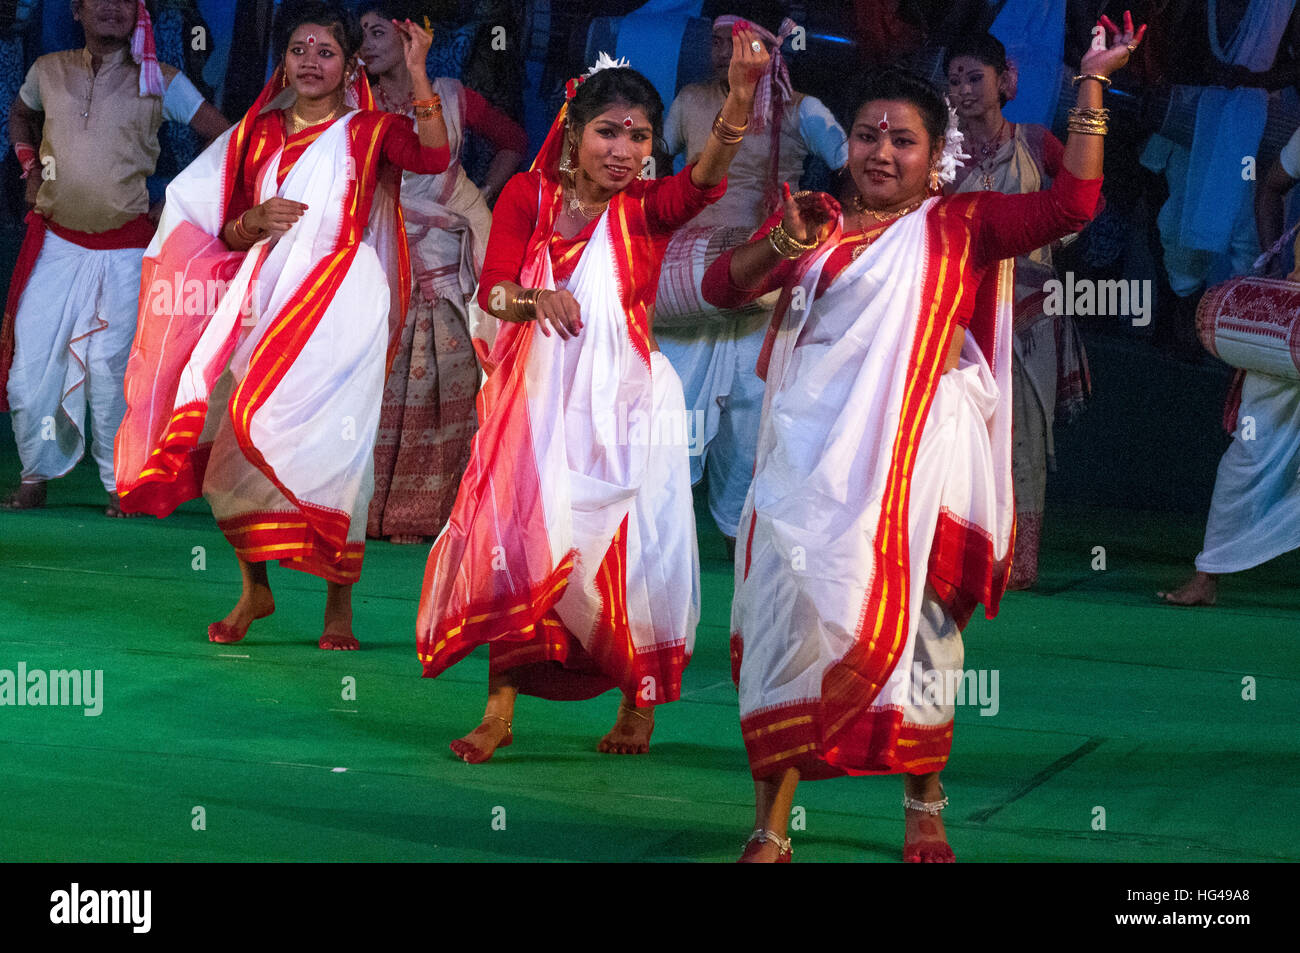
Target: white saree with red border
(881,509)
(290,362)
(572,540)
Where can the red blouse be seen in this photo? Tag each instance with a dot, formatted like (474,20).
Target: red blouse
(669,204)
(399,147)
(492,124)
(1002,226)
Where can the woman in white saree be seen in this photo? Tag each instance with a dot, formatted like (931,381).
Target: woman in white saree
(571,547)
(881,509)
(270,297)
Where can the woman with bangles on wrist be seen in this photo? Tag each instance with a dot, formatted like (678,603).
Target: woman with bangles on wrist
(427,420)
(881,510)
(571,547)
(268,402)
(1049,370)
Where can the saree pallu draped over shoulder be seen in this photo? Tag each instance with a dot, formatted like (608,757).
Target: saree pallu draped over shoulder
(256,377)
(572,539)
(881,502)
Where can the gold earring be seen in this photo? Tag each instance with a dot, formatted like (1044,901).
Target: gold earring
(934,179)
(566,164)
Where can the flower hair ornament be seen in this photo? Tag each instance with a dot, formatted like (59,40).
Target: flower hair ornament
(945,170)
(603,61)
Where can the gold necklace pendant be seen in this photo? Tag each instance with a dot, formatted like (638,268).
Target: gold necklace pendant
(588,212)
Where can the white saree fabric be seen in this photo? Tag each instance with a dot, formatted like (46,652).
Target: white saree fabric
(835,388)
(608,432)
(1255,511)
(316,429)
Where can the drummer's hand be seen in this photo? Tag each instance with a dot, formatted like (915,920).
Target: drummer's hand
(560,310)
(809,216)
(1120,45)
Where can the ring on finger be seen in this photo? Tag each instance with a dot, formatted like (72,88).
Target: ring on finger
(756,46)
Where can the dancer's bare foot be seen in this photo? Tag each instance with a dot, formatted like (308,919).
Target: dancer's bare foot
(924,839)
(28,496)
(476,747)
(255,602)
(631,731)
(1201,590)
(253,605)
(114,509)
(338,635)
(406,539)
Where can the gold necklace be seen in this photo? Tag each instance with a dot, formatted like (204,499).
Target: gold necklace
(885,218)
(297,124)
(587,211)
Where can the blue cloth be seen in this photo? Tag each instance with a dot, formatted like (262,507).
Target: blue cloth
(1033,31)
(651,39)
(1229,124)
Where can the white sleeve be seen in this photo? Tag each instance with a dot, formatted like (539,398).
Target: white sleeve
(1290,156)
(822,133)
(181,100)
(30,93)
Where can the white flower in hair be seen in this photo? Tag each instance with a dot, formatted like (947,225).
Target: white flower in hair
(605,61)
(952,142)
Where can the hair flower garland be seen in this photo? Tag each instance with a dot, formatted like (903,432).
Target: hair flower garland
(952,142)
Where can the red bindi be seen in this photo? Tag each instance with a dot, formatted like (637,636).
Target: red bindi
(884,123)
(627,122)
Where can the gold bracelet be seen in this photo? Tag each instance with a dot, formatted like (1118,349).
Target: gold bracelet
(434,100)
(524,305)
(244,233)
(1089,120)
(727,133)
(1104,80)
(786,245)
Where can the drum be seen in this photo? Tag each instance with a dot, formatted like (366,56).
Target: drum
(679,303)
(1253,323)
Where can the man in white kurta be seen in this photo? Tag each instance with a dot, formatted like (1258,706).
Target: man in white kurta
(716,360)
(75,319)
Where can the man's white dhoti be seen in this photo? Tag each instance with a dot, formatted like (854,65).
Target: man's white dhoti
(1255,512)
(72,336)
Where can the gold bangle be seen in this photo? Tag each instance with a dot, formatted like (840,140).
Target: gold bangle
(243,232)
(524,305)
(1104,80)
(423,115)
(727,133)
(434,100)
(786,245)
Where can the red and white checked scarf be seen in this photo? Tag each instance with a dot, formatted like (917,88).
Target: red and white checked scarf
(145,54)
(774,89)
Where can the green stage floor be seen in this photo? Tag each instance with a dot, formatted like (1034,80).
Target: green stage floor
(1106,700)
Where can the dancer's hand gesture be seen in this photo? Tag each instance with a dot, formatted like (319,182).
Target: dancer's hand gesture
(275,215)
(749,60)
(1105,58)
(560,310)
(415,46)
(809,216)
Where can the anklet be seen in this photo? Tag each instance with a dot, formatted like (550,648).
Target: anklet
(633,711)
(782,844)
(509,725)
(929,807)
